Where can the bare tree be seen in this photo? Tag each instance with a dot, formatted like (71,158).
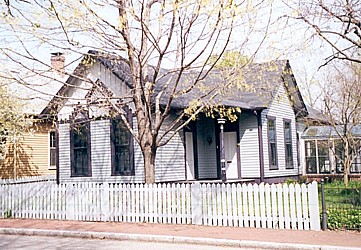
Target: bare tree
(336,22)
(153,35)
(342,102)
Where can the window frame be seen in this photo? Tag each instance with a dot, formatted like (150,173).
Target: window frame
(307,157)
(75,121)
(270,142)
(288,142)
(114,120)
(52,148)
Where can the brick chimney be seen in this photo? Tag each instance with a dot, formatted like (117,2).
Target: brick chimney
(57,62)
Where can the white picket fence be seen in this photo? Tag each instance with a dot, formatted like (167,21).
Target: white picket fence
(261,206)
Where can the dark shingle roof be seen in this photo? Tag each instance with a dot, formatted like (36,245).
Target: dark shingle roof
(251,87)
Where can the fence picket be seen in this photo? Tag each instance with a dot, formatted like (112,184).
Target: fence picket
(299,207)
(229,205)
(262,205)
(286,203)
(274,206)
(250,204)
(281,220)
(234,205)
(256,205)
(214,205)
(240,206)
(293,206)
(306,221)
(245,205)
(268,205)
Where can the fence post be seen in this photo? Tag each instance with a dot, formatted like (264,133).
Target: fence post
(196,204)
(324,214)
(314,206)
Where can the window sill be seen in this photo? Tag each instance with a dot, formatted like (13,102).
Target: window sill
(52,168)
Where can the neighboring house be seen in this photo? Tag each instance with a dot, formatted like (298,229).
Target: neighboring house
(34,152)
(323,152)
(261,145)
(32,155)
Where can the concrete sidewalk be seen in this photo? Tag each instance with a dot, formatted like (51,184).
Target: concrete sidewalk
(225,236)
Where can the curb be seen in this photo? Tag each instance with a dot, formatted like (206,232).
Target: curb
(169,239)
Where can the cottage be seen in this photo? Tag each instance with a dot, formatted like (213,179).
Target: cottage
(261,144)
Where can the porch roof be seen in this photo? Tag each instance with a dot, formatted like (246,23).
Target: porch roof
(328,132)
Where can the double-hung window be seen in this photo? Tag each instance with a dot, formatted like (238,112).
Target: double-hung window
(52,150)
(288,144)
(272,143)
(122,147)
(80,147)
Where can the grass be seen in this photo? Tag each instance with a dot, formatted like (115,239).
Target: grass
(343,205)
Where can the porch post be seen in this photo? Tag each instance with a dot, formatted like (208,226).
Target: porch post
(221,122)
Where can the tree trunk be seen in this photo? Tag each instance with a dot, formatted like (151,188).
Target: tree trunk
(149,154)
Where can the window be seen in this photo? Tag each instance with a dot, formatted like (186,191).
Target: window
(324,165)
(80,149)
(288,144)
(356,163)
(272,143)
(122,148)
(317,156)
(311,158)
(52,150)
(340,154)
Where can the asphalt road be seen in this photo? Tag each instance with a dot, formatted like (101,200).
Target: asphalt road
(50,243)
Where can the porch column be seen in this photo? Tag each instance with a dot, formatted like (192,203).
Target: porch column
(221,122)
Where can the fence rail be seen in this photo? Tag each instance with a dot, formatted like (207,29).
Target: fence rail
(261,206)
(28,179)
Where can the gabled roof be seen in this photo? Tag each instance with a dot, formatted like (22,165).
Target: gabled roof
(253,87)
(117,65)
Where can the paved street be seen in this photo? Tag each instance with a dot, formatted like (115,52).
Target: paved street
(50,243)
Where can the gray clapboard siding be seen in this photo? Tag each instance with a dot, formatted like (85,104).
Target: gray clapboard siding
(101,156)
(281,109)
(249,146)
(207,158)
(170,159)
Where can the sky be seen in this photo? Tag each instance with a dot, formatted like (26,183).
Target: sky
(287,39)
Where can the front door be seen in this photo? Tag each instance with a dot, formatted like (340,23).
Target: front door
(230,152)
